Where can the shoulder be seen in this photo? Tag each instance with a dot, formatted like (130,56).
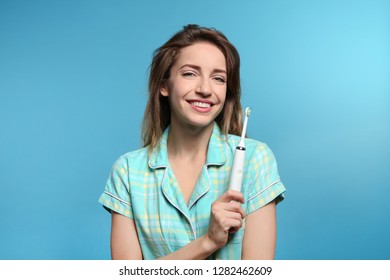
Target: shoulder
(133,159)
(257,148)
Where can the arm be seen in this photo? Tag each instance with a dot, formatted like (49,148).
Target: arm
(226,215)
(125,244)
(260,234)
(124,240)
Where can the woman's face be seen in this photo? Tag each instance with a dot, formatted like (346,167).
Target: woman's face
(197,85)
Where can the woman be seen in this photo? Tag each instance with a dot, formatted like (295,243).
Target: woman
(168,200)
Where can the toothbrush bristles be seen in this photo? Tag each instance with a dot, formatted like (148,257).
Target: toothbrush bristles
(248,111)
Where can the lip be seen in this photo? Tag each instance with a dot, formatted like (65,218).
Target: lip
(200,100)
(201,109)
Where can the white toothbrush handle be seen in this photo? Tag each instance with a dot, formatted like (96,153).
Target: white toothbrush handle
(237,171)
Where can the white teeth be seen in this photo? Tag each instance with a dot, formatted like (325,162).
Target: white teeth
(201,104)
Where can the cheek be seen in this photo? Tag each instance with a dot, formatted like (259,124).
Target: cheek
(222,94)
(180,88)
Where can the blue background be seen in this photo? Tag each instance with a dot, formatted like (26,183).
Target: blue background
(73,85)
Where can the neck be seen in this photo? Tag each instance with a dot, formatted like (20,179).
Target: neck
(189,142)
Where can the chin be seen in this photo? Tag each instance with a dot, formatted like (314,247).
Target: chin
(196,120)
(201,122)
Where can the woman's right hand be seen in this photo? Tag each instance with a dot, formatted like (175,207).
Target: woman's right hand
(226,217)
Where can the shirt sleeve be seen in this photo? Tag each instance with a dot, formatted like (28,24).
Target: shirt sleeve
(116,195)
(264,182)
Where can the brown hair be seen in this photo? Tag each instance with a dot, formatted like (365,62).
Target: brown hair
(157,113)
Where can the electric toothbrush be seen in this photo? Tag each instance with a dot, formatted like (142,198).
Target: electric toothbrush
(235,182)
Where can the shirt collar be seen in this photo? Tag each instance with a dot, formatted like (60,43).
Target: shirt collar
(216,152)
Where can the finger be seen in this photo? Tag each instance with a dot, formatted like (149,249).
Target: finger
(230,222)
(231,206)
(235,225)
(231,195)
(230,215)
(235,206)
(227,210)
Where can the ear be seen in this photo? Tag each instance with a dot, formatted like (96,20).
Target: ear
(164,90)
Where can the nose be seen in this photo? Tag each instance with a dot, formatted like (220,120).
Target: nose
(204,87)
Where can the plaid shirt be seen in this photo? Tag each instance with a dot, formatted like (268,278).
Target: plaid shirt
(144,188)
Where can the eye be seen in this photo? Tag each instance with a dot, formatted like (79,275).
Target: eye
(188,74)
(220,79)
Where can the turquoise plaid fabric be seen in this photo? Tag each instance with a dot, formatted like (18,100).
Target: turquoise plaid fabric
(144,188)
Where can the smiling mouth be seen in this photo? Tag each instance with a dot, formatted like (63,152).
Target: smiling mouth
(200,104)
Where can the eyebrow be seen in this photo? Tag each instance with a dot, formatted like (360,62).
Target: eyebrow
(216,70)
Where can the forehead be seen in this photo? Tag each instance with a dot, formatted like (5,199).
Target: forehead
(202,54)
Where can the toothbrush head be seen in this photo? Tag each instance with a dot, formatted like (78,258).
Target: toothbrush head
(247,111)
